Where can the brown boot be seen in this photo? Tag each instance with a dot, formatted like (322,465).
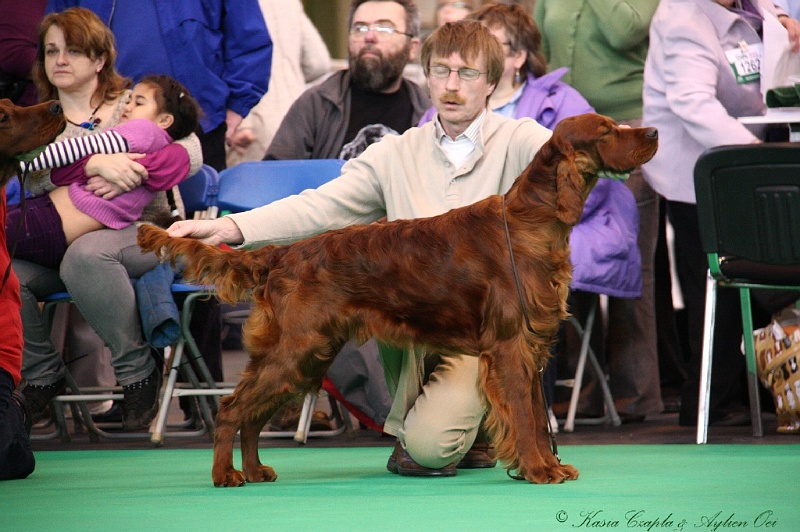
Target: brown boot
(481,454)
(402,464)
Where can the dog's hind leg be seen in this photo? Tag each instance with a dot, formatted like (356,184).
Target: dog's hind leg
(254,471)
(517,418)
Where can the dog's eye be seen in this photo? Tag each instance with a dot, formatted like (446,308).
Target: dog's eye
(3,118)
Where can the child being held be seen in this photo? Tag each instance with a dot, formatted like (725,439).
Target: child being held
(160,110)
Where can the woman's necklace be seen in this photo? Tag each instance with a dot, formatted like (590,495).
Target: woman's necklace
(92,122)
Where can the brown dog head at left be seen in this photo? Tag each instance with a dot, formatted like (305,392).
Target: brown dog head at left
(23,129)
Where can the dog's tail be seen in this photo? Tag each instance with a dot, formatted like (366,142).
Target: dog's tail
(234,273)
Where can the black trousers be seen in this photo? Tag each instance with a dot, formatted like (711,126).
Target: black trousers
(206,325)
(728,384)
(213,145)
(16,457)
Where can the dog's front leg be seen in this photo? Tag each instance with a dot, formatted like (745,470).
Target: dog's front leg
(553,469)
(517,418)
(251,464)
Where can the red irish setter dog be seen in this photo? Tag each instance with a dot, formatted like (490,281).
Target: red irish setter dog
(445,282)
(23,129)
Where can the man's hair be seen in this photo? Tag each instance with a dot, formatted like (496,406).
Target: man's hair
(468,38)
(521,31)
(413,23)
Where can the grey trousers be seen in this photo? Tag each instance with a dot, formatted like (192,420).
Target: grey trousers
(96,271)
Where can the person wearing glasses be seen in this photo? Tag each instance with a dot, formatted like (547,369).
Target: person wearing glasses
(341,116)
(465,154)
(338,119)
(451,10)
(526,89)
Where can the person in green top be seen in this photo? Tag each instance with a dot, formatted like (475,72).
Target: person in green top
(604,44)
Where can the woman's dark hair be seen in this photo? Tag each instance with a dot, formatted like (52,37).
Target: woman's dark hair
(521,31)
(174,98)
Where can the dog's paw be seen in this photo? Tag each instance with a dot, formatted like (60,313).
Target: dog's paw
(263,473)
(547,474)
(231,479)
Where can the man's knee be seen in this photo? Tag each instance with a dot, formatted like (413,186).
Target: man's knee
(431,447)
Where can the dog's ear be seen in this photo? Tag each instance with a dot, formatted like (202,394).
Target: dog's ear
(569,191)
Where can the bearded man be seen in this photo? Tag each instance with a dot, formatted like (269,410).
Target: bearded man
(340,117)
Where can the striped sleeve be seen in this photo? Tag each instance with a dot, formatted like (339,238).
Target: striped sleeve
(68,151)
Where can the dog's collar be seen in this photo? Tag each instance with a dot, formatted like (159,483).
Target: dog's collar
(29,156)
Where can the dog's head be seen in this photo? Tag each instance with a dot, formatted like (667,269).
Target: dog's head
(583,146)
(23,129)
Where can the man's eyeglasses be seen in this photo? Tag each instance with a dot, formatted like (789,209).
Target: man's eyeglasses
(383,30)
(465,73)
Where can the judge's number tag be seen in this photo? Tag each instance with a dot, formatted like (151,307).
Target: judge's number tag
(745,60)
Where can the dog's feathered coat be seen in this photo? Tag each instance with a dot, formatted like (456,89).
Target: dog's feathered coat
(444,282)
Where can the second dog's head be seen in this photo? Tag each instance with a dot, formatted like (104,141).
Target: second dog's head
(23,129)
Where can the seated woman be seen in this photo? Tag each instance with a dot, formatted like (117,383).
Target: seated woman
(75,64)
(39,230)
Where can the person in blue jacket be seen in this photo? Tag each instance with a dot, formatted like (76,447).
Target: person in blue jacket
(221,51)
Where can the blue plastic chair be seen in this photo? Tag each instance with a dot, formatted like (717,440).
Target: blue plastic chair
(199,192)
(12,191)
(247,186)
(250,185)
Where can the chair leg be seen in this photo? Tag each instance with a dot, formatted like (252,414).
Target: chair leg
(750,356)
(174,362)
(703,403)
(611,408)
(306,414)
(586,335)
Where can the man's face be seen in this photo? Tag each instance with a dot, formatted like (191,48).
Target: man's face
(458,101)
(377,59)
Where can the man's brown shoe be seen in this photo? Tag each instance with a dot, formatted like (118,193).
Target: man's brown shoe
(479,456)
(402,464)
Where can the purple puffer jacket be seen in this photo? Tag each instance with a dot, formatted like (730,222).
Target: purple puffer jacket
(603,246)
(604,251)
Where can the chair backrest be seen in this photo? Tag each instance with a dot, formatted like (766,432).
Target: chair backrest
(12,191)
(254,184)
(748,202)
(199,191)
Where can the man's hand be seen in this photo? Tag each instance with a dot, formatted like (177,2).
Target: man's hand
(211,232)
(241,139)
(120,169)
(232,121)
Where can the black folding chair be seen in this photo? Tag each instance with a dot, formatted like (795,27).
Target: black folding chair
(748,203)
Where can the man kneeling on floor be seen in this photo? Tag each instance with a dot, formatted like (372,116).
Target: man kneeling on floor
(464,155)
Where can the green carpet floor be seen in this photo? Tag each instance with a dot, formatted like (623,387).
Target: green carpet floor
(641,487)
